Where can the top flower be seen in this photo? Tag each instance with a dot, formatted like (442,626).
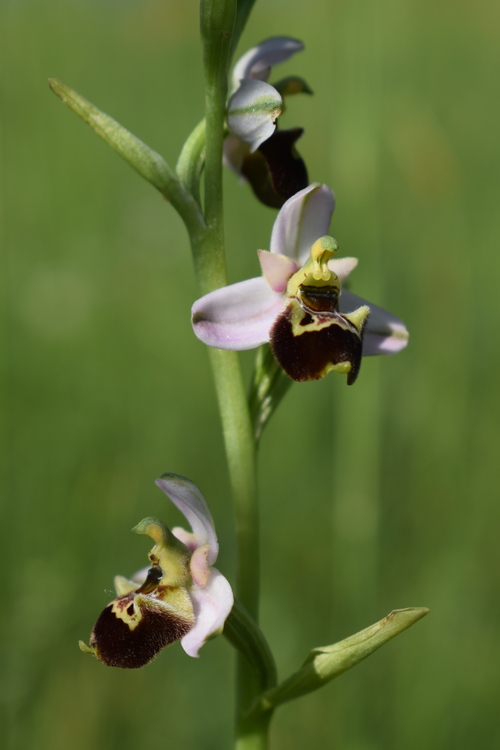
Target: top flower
(181,596)
(297,305)
(255,104)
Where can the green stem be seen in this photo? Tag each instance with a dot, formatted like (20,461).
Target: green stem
(240,450)
(254,735)
(216,24)
(216,21)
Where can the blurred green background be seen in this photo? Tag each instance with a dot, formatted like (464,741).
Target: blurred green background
(374,497)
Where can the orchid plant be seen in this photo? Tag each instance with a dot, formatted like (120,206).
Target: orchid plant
(304,325)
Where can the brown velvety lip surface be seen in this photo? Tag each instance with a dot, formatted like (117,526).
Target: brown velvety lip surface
(118,646)
(306,357)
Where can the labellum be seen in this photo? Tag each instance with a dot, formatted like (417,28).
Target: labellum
(135,627)
(311,338)
(276,171)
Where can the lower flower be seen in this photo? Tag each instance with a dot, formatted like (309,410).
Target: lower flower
(180,597)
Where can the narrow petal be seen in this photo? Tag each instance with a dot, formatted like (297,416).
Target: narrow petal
(211,606)
(342,267)
(238,316)
(186,496)
(198,566)
(277,269)
(257,62)
(190,540)
(252,110)
(384,332)
(303,219)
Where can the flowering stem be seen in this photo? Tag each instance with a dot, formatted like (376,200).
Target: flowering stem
(217,21)
(253,734)
(240,450)
(216,24)
(217,18)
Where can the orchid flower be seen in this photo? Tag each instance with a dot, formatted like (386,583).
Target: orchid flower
(254,149)
(297,305)
(180,597)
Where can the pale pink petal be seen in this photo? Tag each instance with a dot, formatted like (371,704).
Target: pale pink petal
(211,604)
(342,267)
(252,111)
(384,332)
(304,218)
(277,269)
(198,566)
(186,496)
(190,540)
(257,62)
(238,316)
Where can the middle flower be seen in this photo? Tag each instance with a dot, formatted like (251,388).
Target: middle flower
(297,304)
